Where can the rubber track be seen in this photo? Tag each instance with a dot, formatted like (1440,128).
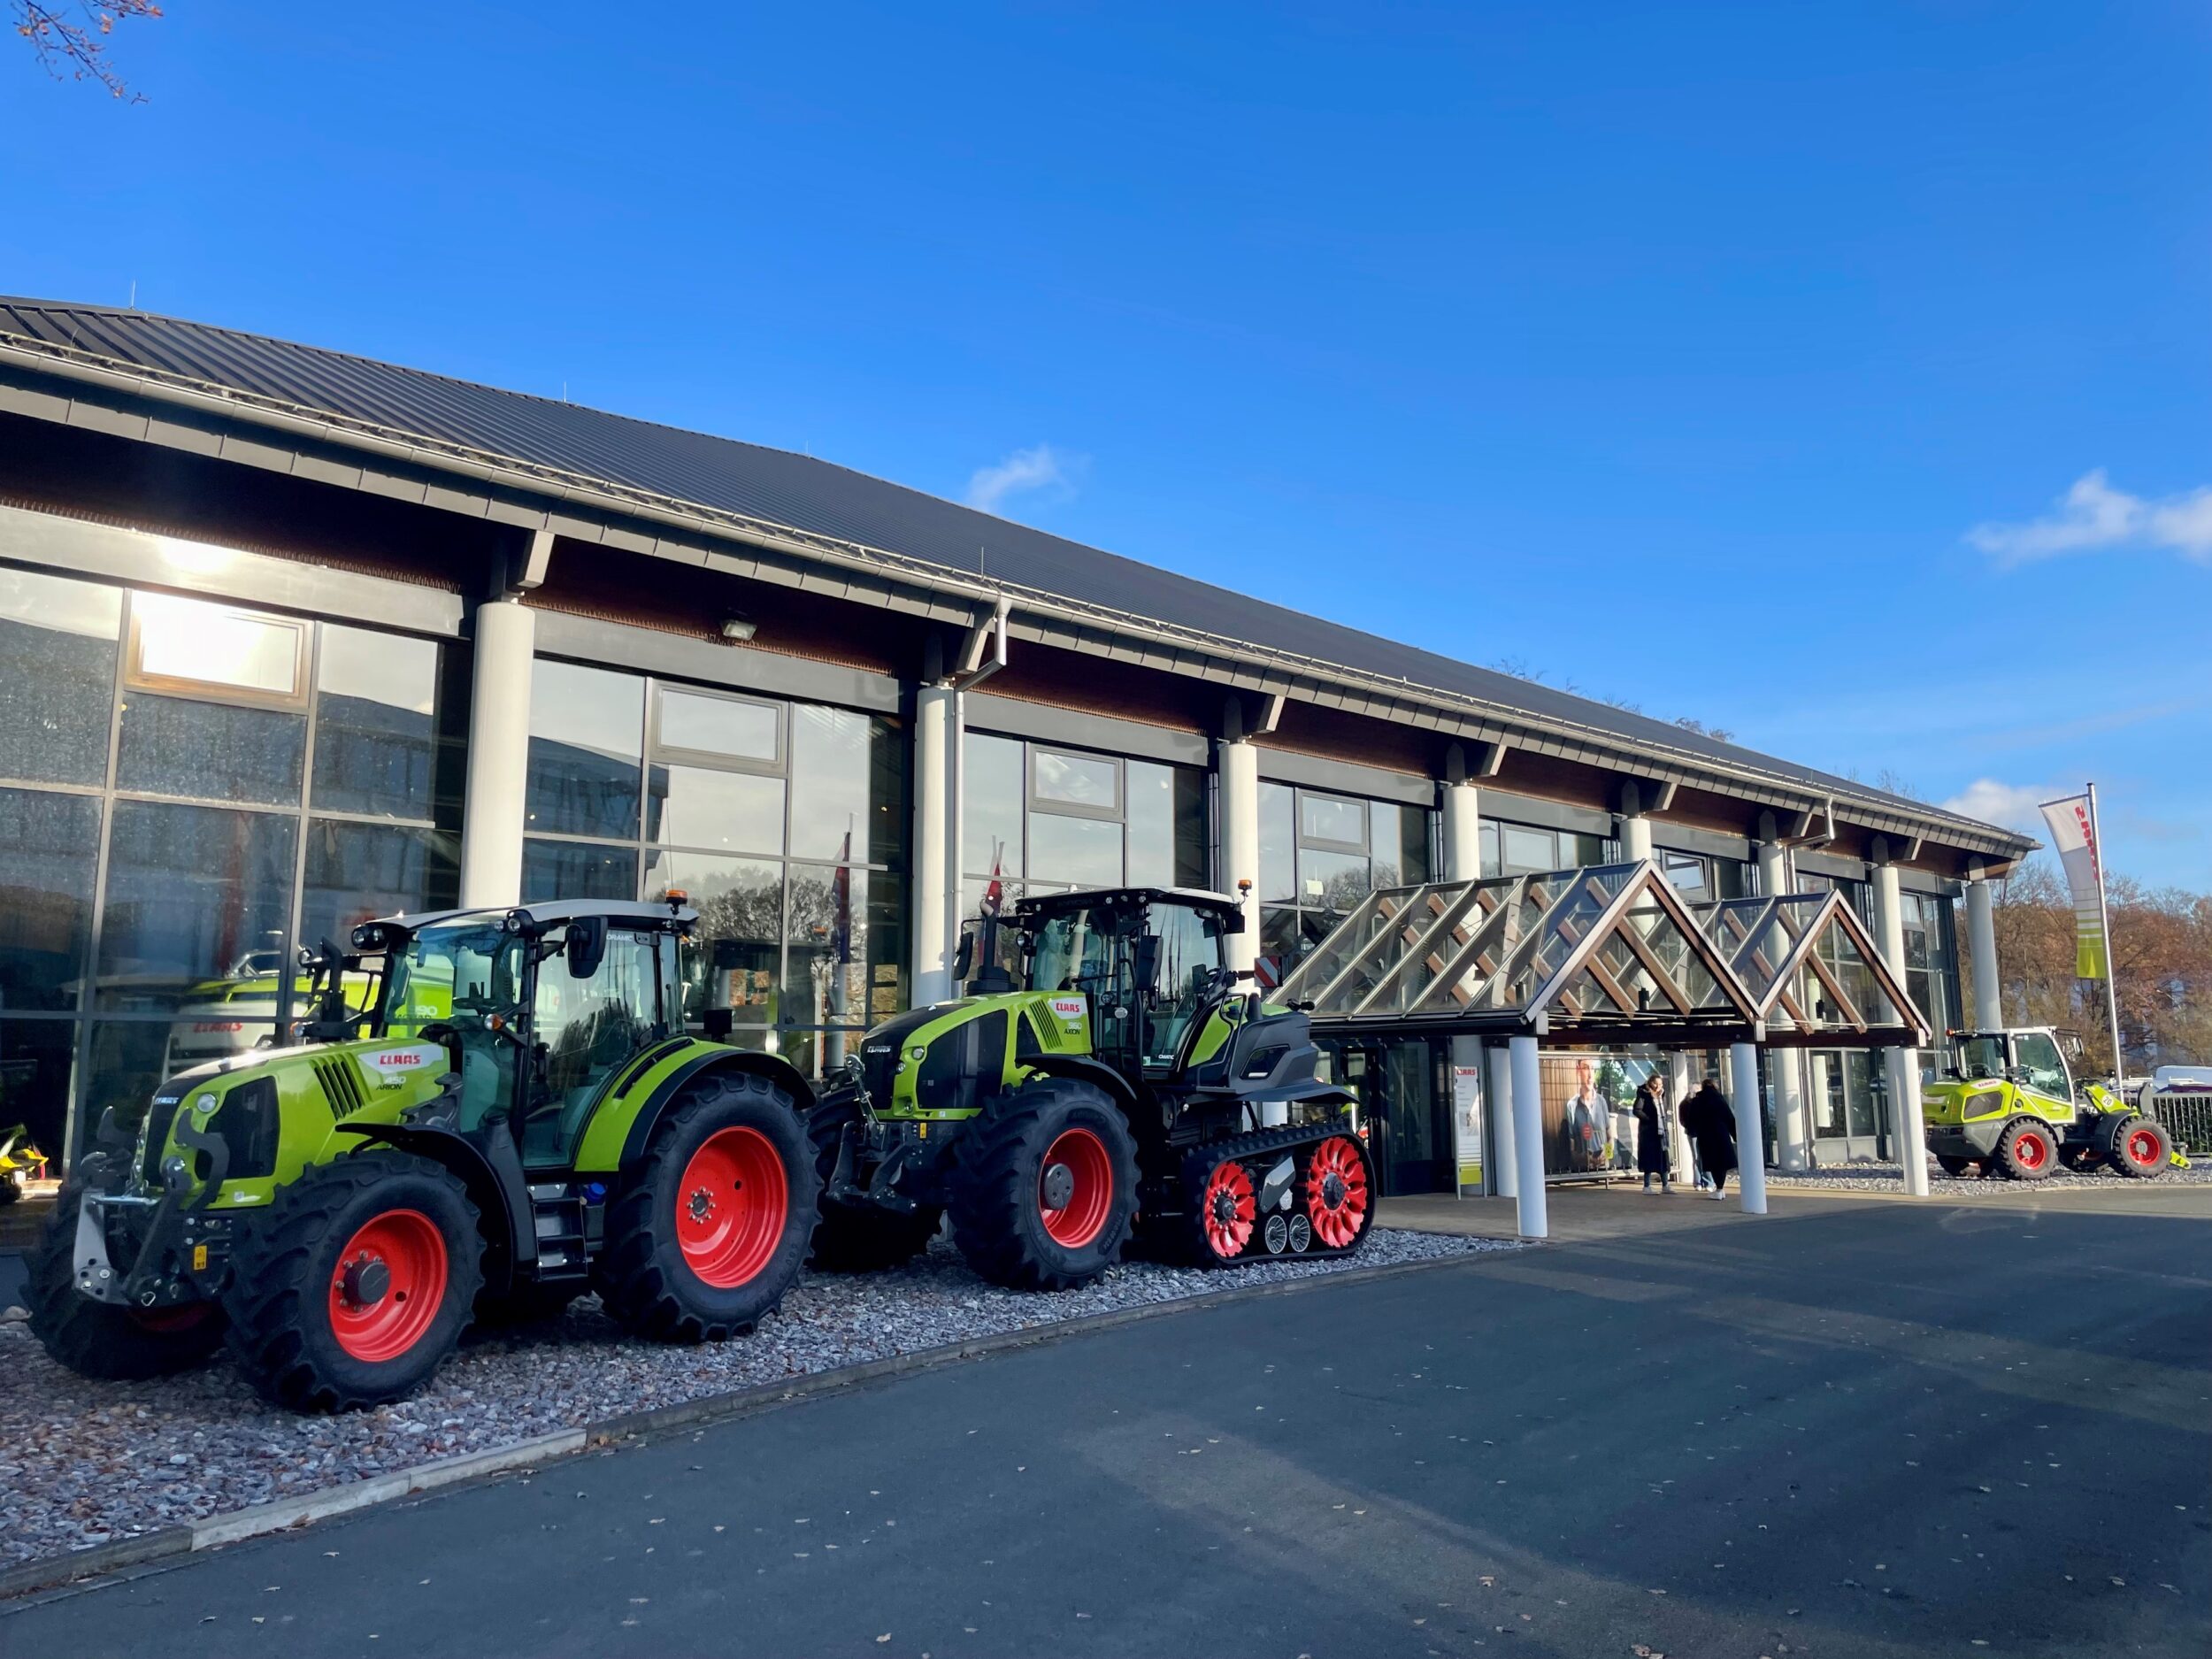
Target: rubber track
(1200,1161)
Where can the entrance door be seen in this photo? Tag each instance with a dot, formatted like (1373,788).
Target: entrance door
(1405,1106)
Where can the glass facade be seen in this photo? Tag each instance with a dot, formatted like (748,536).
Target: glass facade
(1526,849)
(1041,819)
(784,822)
(189,792)
(1320,854)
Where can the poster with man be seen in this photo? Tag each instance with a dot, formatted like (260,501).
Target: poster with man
(1578,1136)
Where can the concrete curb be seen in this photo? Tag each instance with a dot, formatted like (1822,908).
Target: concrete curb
(260,1519)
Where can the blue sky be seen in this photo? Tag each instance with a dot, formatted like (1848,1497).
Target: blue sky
(1838,376)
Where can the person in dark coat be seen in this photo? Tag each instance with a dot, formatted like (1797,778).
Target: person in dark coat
(1651,1133)
(1710,1123)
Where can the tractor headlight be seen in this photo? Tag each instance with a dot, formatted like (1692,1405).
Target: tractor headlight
(204,1104)
(918,1053)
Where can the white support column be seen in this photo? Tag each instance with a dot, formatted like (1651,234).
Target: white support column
(1981,951)
(1793,1136)
(492,819)
(1463,862)
(1903,1063)
(1751,1135)
(1237,795)
(1497,1098)
(1528,1139)
(1682,1079)
(936,895)
(1635,837)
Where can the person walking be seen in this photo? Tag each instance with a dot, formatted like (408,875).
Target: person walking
(1710,1123)
(1651,1132)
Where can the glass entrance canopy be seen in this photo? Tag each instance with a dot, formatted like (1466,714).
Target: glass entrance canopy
(1607,952)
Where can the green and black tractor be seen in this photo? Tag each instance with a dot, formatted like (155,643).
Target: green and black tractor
(1116,1077)
(2010,1106)
(518,1115)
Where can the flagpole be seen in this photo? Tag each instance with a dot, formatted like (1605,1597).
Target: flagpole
(2111,962)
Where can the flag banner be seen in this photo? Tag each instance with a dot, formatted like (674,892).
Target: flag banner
(2075,840)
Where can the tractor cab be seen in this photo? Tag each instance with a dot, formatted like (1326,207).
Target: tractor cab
(2036,1058)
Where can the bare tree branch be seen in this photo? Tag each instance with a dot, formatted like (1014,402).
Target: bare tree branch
(70,37)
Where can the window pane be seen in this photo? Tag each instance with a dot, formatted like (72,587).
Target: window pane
(1150,811)
(1414,863)
(1092,781)
(376,735)
(586,736)
(218,751)
(740,903)
(37,1058)
(198,899)
(1328,817)
(567,870)
(826,965)
(992,809)
(1086,851)
(1489,849)
(49,844)
(57,677)
(700,807)
(197,644)
(1279,842)
(1331,881)
(1528,851)
(1281,942)
(719,725)
(837,778)
(130,1058)
(358,871)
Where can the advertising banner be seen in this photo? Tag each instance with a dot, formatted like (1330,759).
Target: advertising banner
(2074,838)
(1467,1123)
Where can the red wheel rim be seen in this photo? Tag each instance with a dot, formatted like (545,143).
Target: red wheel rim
(731,1206)
(1229,1208)
(2143,1148)
(1091,1196)
(388,1286)
(1336,1192)
(2032,1151)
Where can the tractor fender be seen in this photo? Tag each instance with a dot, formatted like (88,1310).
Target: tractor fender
(714,1058)
(503,1206)
(1094,1071)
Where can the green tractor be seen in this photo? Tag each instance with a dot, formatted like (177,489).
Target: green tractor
(2010,1106)
(516,1117)
(1116,1079)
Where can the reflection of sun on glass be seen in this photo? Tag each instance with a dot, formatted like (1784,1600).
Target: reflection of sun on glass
(182,638)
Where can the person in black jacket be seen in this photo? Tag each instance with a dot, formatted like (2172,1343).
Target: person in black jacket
(1651,1133)
(1710,1123)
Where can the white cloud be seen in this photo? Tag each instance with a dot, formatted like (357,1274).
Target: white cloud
(1042,467)
(2093,514)
(2014,805)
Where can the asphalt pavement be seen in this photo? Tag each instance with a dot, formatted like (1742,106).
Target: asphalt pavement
(1852,1429)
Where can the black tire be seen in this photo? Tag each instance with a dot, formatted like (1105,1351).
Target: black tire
(2141,1149)
(859,1238)
(100,1339)
(2027,1149)
(285,1300)
(645,1278)
(1954,1167)
(998,1187)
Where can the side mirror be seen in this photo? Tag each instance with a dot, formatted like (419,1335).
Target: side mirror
(963,959)
(586,946)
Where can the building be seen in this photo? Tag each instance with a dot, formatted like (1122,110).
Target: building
(289,638)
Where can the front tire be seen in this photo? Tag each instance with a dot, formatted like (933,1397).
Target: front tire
(859,1238)
(103,1339)
(2141,1150)
(1045,1186)
(711,1227)
(1953,1167)
(2026,1149)
(352,1289)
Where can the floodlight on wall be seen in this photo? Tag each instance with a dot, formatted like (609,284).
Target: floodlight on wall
(740,628)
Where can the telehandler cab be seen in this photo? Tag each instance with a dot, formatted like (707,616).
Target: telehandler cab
(1119,1078)
(2012,1105)
(516,1115)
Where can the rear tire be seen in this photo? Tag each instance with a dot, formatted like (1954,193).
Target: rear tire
(1003,1215)
(352,1289)
(101,1339)
(711,1227)
(2141,1149)
(2027,1149)
(859,1238)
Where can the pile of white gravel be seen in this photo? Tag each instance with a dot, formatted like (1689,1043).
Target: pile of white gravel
(1874,1178)
(82,1462)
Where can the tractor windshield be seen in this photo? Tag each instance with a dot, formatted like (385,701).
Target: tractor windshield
(468,974)
(1079,950)
(1979,1055)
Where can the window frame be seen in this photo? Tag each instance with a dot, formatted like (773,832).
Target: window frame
(136,677)
(714,760)
(1053,807)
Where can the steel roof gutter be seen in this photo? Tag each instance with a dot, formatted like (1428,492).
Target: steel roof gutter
(1494,720)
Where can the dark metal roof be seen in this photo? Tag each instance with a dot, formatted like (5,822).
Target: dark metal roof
(822,498)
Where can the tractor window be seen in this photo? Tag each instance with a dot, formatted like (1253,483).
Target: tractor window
(585,1029)
(465,974)
(1978,1057)
(2038,1055)
(1189,959)
(1073,953)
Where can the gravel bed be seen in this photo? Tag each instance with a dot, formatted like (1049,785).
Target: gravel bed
(82,1462)
(1880,1176)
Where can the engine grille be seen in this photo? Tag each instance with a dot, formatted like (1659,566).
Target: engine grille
(341,1086)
